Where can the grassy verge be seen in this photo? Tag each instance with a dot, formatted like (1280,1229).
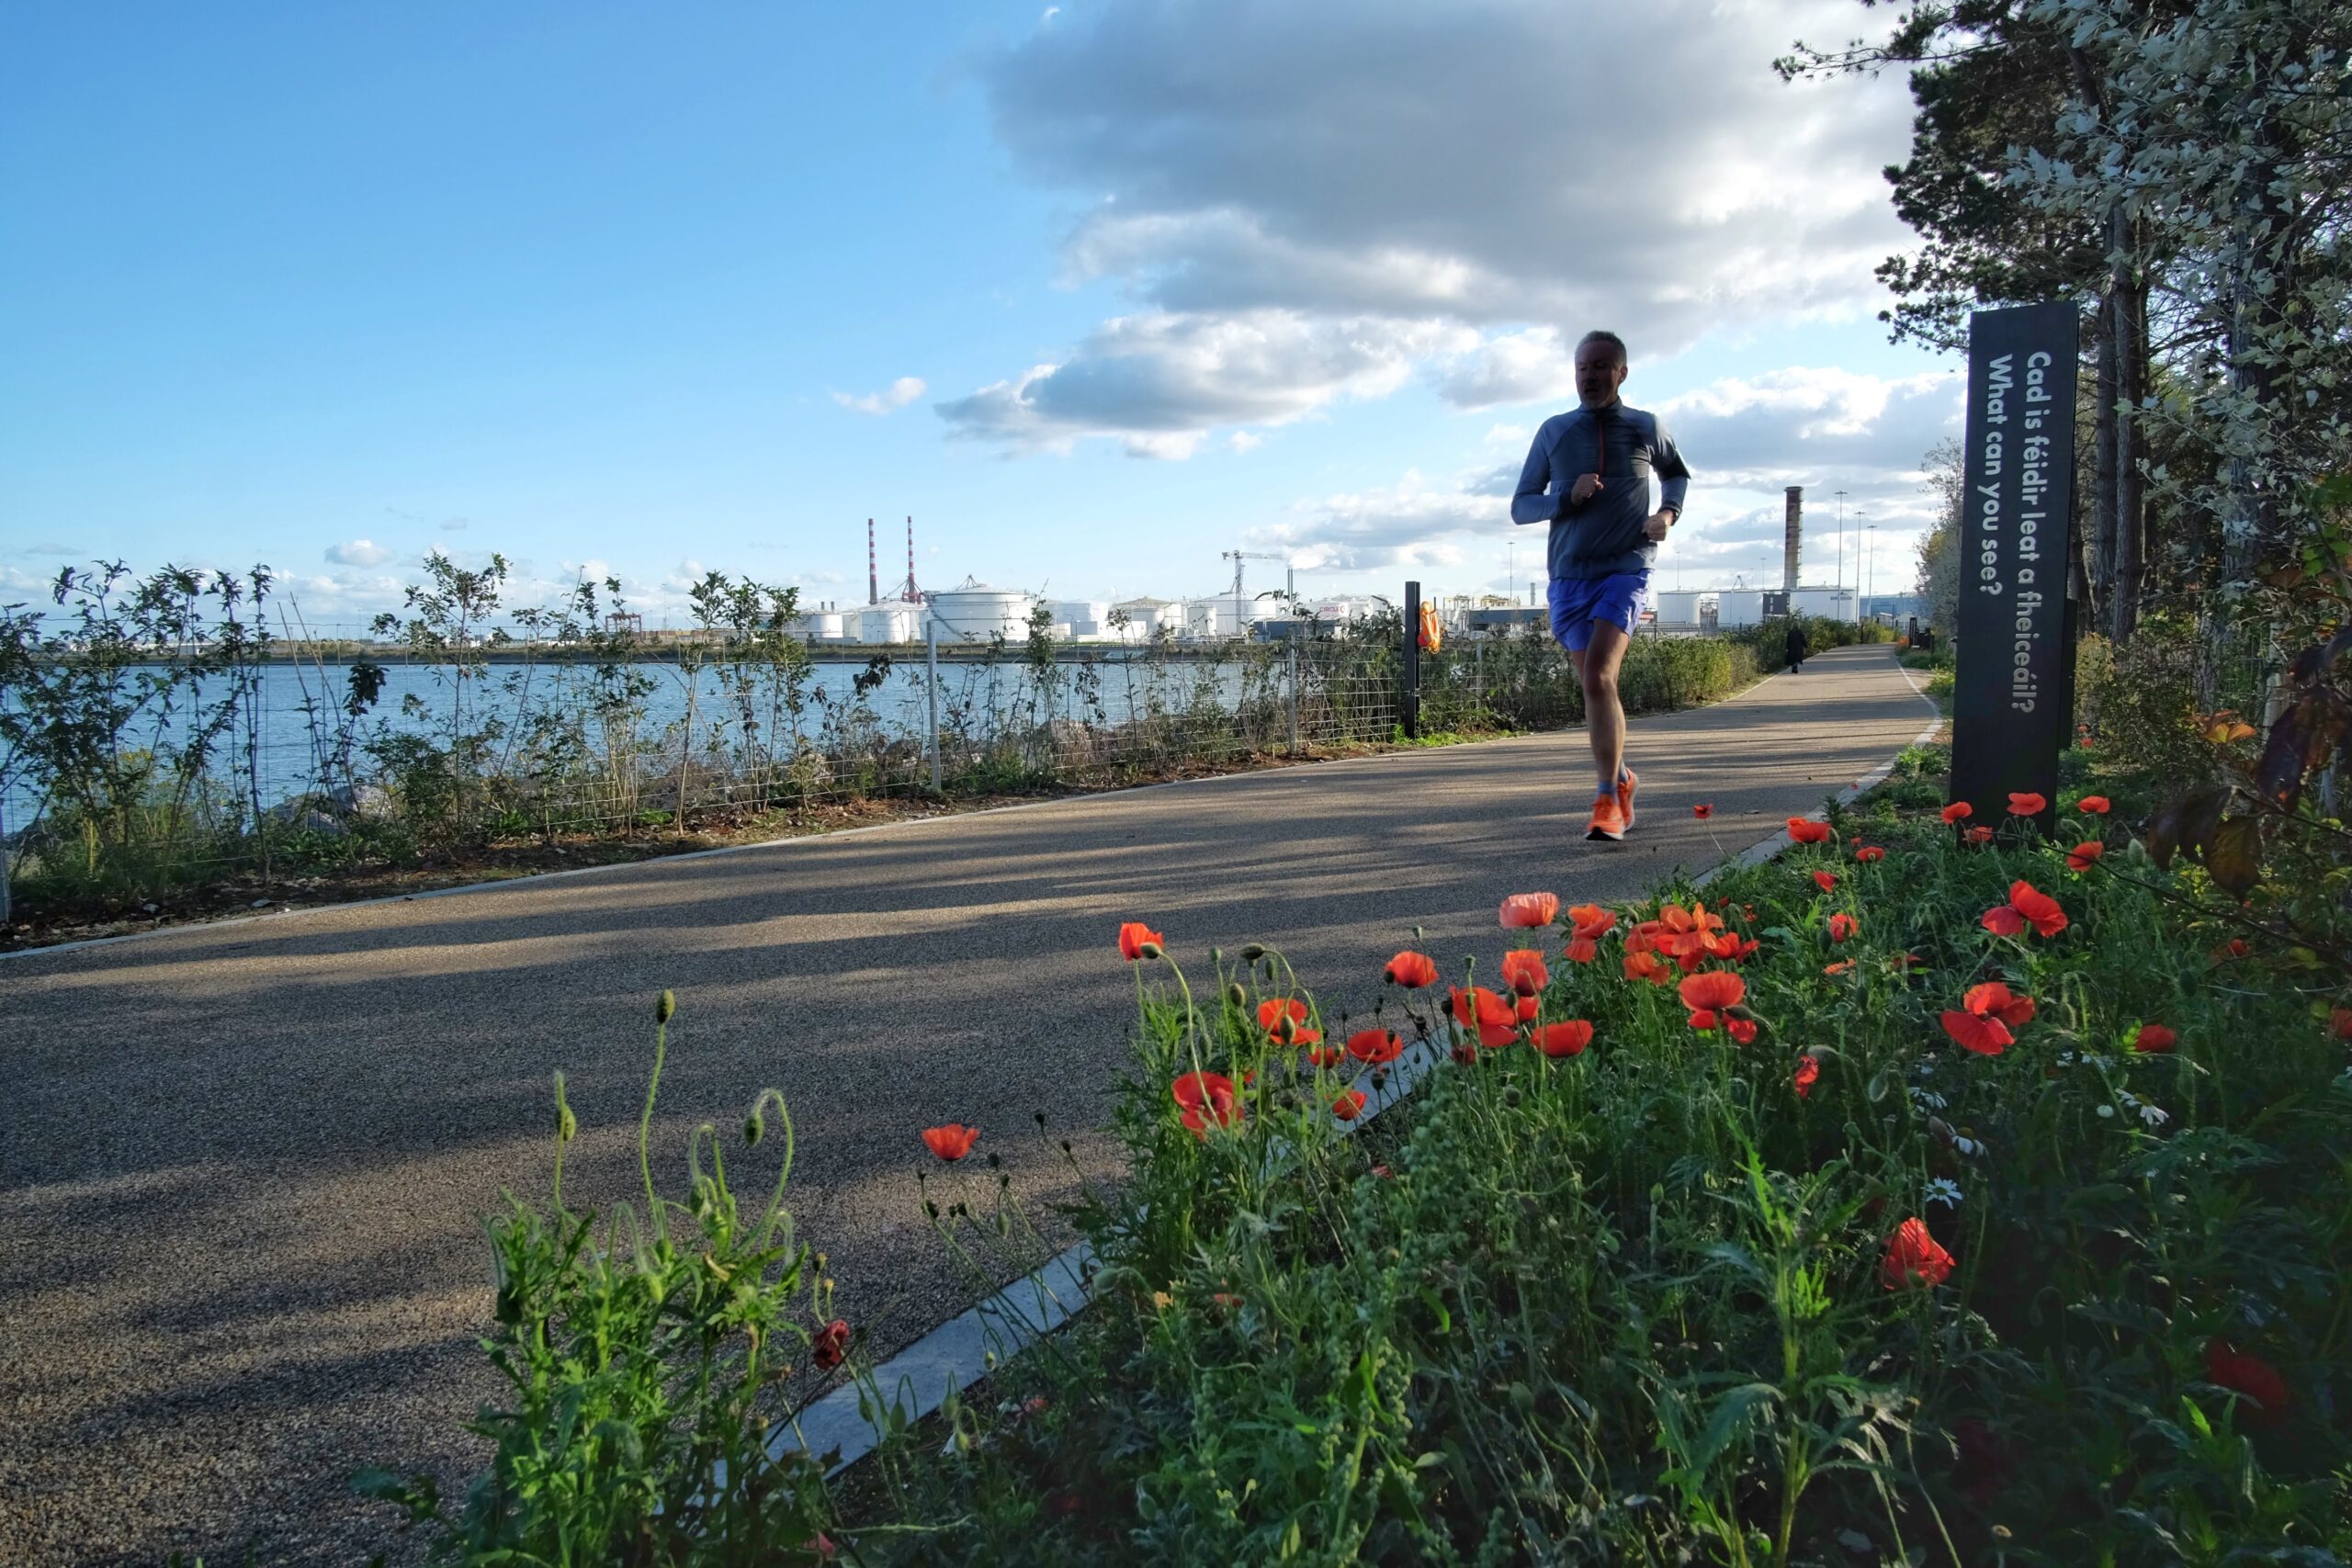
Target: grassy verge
(1844,1275)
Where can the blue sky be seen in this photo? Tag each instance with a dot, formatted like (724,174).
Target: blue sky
(627,289)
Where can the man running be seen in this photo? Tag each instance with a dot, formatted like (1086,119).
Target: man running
(1589,475)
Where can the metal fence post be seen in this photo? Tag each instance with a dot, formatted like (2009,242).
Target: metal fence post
(931,685)
(1294,683)
(1412,694)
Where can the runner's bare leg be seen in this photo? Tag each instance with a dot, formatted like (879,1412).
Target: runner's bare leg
(1604,716)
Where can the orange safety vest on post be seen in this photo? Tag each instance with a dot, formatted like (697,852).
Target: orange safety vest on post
(1433,630)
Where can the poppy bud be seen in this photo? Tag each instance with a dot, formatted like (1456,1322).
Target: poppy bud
(1252,952)
(1236,995)
(666,1008)
(1152,950)
(753,1129)
(567,1125)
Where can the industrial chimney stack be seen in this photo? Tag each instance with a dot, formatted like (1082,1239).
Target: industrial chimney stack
(873,578)
(1788,541)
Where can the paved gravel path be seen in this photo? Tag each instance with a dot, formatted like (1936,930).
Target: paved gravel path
(242,1165)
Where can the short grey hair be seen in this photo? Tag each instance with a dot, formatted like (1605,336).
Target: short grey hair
(1612,339)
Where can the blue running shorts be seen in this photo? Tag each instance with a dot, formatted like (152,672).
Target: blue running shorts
(1576,603)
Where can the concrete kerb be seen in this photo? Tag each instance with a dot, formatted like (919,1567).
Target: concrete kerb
(950,1359)
(790,843)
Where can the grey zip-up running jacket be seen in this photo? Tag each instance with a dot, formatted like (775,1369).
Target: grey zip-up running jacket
(1603,536)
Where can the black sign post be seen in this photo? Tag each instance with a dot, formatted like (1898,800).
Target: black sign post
(1412,715)
(2012,698)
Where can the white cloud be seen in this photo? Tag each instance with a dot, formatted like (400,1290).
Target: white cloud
(1746,438)
(454,524)
(1245,441)
(1814,425)
(358,552)
(1531,167)
(1157,383)
(897,395)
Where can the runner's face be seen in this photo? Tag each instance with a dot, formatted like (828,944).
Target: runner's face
(1598,373)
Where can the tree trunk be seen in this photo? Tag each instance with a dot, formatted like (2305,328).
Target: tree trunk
(2127,292)
(2103,454)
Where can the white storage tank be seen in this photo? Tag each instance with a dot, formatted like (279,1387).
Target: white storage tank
(1083,617)
(824,625)
(1739,607)
(1209,618)
(1144,617)
(1830,604)
(887,623)
(1676,607)
(973,612)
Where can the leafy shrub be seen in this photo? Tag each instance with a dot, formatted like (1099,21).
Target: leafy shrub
(643,1359)
(1847,1290)
(2140,698)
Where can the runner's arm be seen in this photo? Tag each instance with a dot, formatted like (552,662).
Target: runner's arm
(1673,475)
(1528,502)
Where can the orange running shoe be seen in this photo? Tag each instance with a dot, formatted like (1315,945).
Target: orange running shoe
(1626,785)
(1607,820)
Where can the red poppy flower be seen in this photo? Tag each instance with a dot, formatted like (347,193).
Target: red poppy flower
(1742,1030)
(2234,948)
(1843,967)
(1592,920)
(1914,1258)
(2027,802)
(1523,971)
(2096,805)
(1989,1012)
(1465,1053)
(1273,1009)
(1712,991)
(1564,1039)
(1980,836)
(1531,908)
(1583,950)
(1410,970)
(1384,1173)
(1958,809)
(2153,1038)
(1647,966)
(1481,1012)
(1528,1007)
(1140,940)
(1841,926)
(1374,1046)
(2252,1376)
(1325,1055)
(2339,1023)
(1704,810)
(831,1344)
(1870,852)
(1826,880)
(2084,855)
(952,1142)
(1206,1099)
(1285,1020)
(1808,1073)
(1349,1106)
(2028,906)
(1807,832)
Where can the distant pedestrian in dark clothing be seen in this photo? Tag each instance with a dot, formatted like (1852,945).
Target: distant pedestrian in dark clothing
(1797,646)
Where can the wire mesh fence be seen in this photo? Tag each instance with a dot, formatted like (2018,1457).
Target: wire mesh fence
(194,768)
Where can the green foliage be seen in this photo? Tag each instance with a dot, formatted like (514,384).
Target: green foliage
(1629,1306)
(124,714)
(2140,697)
(645,1360)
